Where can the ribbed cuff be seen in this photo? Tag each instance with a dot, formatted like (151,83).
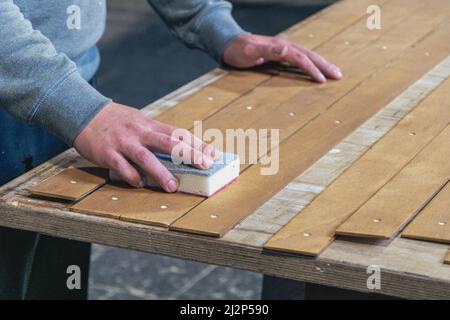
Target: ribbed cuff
(68,107)
(217,29)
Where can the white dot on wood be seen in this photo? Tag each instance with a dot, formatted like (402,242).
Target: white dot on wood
(213,216)
(73,181)
(384,47)
(291,114)
(376,220)
(427,54)
(442,223)
(163,206)
(249,107)
(210,98)
(114,198)
(307,234)
(412,133)
(338,121)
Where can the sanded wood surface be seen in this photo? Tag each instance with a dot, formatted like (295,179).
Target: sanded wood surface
(312,230)
(72,183)
(433,222)
(383,82)
(405,195)
(140,205)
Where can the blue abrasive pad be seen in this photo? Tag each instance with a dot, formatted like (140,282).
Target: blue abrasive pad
(166,160)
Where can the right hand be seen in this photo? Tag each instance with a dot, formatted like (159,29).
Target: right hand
(119,134)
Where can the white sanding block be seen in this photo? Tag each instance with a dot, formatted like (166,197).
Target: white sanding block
(198,181)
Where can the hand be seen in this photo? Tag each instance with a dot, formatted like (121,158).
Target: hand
(251,50)
(120,134)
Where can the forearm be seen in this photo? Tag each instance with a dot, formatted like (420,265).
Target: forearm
(203,24)
(39,84)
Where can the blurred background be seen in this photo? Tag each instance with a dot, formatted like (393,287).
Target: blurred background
(142,62)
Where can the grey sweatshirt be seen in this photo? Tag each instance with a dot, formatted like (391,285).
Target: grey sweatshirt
(48,52)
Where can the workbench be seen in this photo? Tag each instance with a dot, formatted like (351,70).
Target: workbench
(388,73)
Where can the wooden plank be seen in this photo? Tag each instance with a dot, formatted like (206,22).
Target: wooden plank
(410,268)
(313,229)
(210,99)
(433,222)
(279,88)
(405,195)
(288,103)
(223,89)
(71,184)
(447,258)
(296,154)
(142,205)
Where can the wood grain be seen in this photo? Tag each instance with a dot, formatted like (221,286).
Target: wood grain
(296,154)
(405,195)
(433,222)
(314,228)
(138,205)
(71,184)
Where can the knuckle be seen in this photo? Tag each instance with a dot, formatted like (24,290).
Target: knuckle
(141,155)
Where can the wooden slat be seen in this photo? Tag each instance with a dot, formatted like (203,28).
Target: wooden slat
(296,154)
(71,184)
(223,91)
(364,178)
(280,87)
(213,97)
(403,196)
(136,205)
(289,103)
(433,222)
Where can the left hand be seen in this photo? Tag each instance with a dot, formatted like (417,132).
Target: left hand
(247,51)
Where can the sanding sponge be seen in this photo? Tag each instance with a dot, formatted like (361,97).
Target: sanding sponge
(198,181)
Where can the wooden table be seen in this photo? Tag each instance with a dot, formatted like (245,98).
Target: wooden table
(388,73)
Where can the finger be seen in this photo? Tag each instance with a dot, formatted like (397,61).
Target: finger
(329,69)
(148,162)
(191,139)
(269,51)
(178,148)
(124,169)
(302,61)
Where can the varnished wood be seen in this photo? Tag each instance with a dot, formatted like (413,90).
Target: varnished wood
(433,222)
(314,228)
(342,264)
(139,205)
(71,184)
(298,152)
(405,195)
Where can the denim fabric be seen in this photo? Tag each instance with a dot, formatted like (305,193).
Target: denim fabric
(47,53)
(34,266)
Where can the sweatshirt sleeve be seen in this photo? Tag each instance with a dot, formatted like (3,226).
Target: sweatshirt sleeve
(40,85)
(202,24)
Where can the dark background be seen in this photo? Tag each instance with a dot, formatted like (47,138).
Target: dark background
(142,62)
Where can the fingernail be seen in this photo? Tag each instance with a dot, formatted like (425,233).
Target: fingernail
(259,61)
(141,184)
(172,186)
(322,78)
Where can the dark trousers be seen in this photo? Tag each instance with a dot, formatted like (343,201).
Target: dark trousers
(32,265)
(275,288)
